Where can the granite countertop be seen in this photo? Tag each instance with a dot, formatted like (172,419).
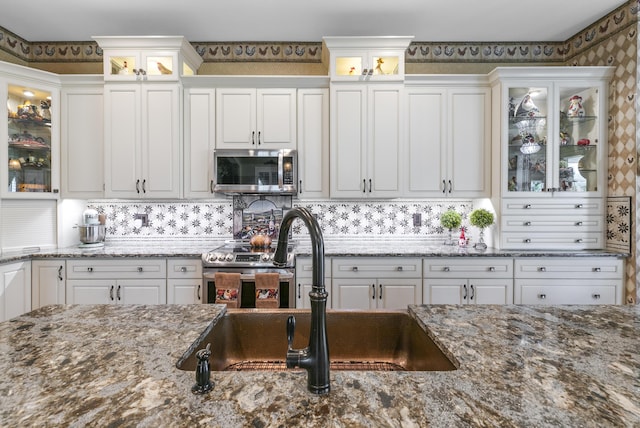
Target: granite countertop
(518,366)
(341,247)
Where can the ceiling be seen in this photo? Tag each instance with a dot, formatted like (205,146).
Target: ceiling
(305,20)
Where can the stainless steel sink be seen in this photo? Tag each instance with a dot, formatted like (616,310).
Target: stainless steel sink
(246,339)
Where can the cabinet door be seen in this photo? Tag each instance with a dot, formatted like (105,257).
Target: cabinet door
(444,291)
(498,291)
(303,288)
(469,129)
(354,293)
(184,291)
(15,289)
(199,142)
(236,118)
(425,156)
(91,292)
(384,137)
(141,291)
(122,140)
(313,143)
(348,141)
(399,293)
(160,151)
(47,283)
(82,127)
(276,118)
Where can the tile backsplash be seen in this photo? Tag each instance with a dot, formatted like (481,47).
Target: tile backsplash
(214,219)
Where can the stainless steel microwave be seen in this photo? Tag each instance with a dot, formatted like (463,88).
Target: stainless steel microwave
(255,171)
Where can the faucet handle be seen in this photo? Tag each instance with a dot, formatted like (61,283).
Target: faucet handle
(291,327)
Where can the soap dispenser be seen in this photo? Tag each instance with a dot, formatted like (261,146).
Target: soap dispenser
(203,372)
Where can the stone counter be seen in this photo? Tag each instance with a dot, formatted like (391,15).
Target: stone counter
(519,366)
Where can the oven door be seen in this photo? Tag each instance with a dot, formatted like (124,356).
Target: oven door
(248,294)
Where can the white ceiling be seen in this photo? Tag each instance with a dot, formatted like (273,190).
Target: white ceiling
(305,20)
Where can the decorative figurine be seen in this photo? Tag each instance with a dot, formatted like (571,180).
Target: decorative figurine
(462,241)
(527,108)
(379,66)
(575,107)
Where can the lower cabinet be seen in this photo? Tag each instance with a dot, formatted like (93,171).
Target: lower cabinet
(564,280)
(376,283)
(459,281)
(15,289)
(116,281)
(304,281)
(184,281)
(48,283)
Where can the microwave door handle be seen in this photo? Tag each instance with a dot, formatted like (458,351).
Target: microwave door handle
(280,170)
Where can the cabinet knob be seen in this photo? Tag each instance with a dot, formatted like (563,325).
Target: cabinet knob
(355,268)
(89,269)
(492,269)
(527,223)
(527,206)
(527,241)
(578,241)
(446,269)
(578,223)
(399,269)
(579,205)
(596,296)
(597,269)
(183,269)
(542,269)
(140,269)
(542,296)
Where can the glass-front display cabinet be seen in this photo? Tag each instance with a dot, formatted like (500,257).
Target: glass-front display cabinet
(553,135)
(366,58)
(32,148)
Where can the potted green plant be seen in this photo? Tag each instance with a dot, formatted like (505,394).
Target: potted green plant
(450,220)
(481,219)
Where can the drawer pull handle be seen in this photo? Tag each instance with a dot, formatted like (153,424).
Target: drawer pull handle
(118,293)
(527,241)
(527,223)
(400,269)
(446,269)
(527,206)
(380,295)
(492,269)
(578,223)
(597,269)
(89,269)
(579,205)
(299,289)
(199,298)
(211,187)
(60,273)
(444,186)
(464,288)
(542,296)
(140,269)
(542,269)
(183,269)
(473,292)
(111,292)
(373,289)
(596,296)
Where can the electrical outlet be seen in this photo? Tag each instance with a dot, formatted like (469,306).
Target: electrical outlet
(417,220)
(143,219)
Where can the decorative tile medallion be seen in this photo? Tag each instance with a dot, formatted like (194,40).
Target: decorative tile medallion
(619,223)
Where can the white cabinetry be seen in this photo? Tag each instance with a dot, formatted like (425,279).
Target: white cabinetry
(116,281)
(550,153)
(249,118)
(82,128)
(184,281)
(47,283)
(369,283)
(313,143)
(15,289)
(366,137)
(304,281)
(142,140)
(448,141)
(464,280)
(199,142)
(563,281)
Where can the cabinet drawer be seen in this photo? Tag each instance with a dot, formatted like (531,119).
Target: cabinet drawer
(468,267)
(537,240)
(387,267)
(304,267)
(553,223)
(569,267)
(116,269)
(552,206)
(568,292)
(184,268)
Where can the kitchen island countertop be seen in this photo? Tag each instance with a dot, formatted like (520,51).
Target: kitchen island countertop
(110,365)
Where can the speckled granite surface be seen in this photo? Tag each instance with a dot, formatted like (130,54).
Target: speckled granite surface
(519,366)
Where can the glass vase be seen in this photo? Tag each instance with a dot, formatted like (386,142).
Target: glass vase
(480,245)
(449,240)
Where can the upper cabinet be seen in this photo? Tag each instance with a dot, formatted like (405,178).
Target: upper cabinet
(550,134)
(31,152)
(156,58)
(448,139)
(313,143)
(366,58)
(249,118)
(142,114)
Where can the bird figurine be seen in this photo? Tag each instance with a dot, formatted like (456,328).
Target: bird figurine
(526,108)
(379,66)
(163,70)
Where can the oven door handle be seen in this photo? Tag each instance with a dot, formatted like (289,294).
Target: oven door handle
(247,277)
(280,170)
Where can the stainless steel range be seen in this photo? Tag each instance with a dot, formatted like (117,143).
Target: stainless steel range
(240,257)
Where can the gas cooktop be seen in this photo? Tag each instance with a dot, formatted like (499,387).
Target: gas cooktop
(242,254)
